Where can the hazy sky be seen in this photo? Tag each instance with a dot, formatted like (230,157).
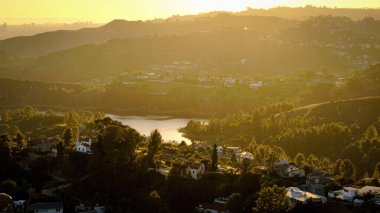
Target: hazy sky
(27,11)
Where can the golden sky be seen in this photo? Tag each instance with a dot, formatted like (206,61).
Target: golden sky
(101,11)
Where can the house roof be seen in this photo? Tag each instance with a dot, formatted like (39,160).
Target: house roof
(195,165)
(214,206)
(298,194)
(369,189)
(37,206)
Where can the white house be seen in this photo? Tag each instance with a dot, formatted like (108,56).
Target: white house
(45,207)
(219,149)
(296,195)
(256,85)
(193,170)
(245,155)
(347,193)
(83,146)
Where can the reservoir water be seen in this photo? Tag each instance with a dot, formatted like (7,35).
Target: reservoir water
(167,126)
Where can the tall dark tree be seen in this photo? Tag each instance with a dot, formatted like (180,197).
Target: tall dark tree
(68,138)
(214,159)
(347,170)
(154,141)
(233,157)
(60,152)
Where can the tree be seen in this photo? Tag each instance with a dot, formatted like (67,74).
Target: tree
(233,157)
(376,171)
(20,141)
(68,138)
(60,152)
(347,170)
(155,141)
(300,160)
(9,187)
(235,203)
(214,159)
(272,199)
(116,145)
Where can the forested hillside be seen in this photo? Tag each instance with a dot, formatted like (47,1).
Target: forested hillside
(224,44)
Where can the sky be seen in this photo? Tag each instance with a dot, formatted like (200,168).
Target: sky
(102,11)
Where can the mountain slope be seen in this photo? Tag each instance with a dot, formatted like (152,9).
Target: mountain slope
(363,111)
(45,43)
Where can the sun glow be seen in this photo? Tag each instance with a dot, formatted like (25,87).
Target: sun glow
(106,10)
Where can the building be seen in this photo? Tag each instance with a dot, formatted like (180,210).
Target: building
(219,150)
(42,145)
(244,156)
(347,194)
(81,208)
(83,146)
(296,195)
(45,207)
(316,182)
(369,190)
(218,206)
(193,170)
(285,170)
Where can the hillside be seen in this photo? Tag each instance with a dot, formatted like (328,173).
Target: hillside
(48,42)
(363,111)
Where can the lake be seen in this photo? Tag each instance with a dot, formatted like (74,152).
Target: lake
(168,126)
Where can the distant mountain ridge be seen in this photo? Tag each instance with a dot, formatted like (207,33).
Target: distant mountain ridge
(48,42)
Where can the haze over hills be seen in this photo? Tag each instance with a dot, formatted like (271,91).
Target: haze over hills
(59,40)
(224,43)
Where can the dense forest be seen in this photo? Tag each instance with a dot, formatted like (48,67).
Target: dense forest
(188,97)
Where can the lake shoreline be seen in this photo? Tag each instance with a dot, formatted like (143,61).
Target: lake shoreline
(123,112)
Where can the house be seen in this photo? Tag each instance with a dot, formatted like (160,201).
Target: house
(235,149)
(42,145)
(316,182)
(81,208)
(19,205)
(285,170)
(296,195)
(219,150)
(83,146)
(193,170)
(244,156)
(218,206)
(347,194)
(369,190)
(256,85)
(45,207)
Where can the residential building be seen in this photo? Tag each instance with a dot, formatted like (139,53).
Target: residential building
(286,170)
(347,194)
(244,155)
(193,170)
(317,181)
(83,146)
(296,195)
(45,207)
